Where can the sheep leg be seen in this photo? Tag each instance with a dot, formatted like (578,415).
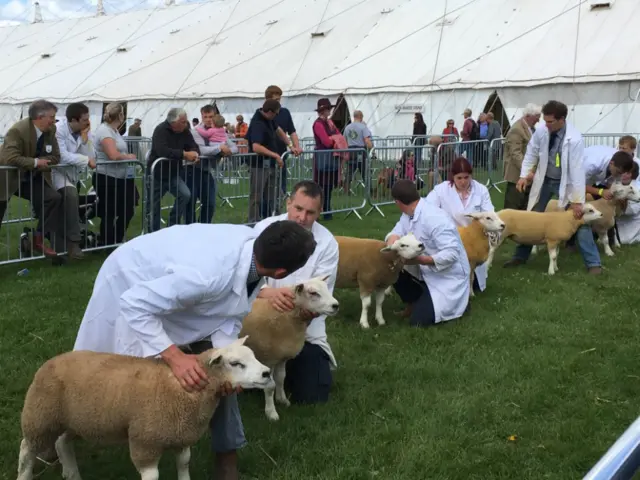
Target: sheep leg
(145,459)
(183,457)
(604,240)
(269,406)
(26,461)
(366,303)
(279,374)
(67,455)
(380,295)
(553,258)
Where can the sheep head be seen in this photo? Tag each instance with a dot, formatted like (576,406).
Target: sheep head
(590,213)
(625,192)
(240,365)
(314,296)
(490,221)
(407,247)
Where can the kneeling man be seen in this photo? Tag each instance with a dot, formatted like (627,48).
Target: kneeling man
(308,377)
(441,292)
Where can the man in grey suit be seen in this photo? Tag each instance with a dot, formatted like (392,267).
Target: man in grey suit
(515,146)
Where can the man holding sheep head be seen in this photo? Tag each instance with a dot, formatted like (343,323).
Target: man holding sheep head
(181,290)
(308,376)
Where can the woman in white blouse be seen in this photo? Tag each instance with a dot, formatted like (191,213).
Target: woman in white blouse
(459,196)
(114,184)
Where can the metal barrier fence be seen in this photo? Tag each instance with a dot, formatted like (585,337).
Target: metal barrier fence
(622,460)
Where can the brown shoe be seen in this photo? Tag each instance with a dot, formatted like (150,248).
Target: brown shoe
(406,313)
(514,262)
(38,244)
(594,270)
(74,251)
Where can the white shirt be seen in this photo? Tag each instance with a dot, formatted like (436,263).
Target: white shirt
(74,153)
(448,278)
(629,222)
(324,261)
(175,286)
(595,163)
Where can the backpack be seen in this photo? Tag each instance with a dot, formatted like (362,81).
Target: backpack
(475,130)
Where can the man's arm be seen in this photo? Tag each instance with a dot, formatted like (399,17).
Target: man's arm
(399,230)
(11,152)
(577,177)
(532,156)
(446,242)
(67,157)
(283,136)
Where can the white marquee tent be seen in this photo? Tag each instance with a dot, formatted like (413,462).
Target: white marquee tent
(388,58)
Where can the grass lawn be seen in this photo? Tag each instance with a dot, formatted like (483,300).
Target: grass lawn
(551,361)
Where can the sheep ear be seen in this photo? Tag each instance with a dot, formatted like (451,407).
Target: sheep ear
(386,249)
(325,278)
(470,215)
(215,358)
(299,288)
(240,341)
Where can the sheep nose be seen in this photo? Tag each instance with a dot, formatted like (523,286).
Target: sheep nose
(335,307)
(266,373)
(421,246)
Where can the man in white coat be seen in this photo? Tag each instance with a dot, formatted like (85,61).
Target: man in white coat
(443,292)
(76,153)
(308,376)
(554,163)
(189,287)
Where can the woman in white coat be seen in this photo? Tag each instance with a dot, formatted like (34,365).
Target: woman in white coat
(628,224)
(443,293)
(189,287)
(462,195)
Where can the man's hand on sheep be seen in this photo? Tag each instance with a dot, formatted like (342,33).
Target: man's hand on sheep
(522,184)
(280,298)
(606,194)
(226,389)
(186,368)
(577,210)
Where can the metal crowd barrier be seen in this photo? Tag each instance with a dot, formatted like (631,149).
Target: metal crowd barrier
(56,208)
(622,460)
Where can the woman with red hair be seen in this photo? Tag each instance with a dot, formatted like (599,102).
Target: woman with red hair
(462,195)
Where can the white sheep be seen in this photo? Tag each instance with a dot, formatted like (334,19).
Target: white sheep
(108,398)
(278,337)
(610,210)
(372,266)
(531,228)
(478,241)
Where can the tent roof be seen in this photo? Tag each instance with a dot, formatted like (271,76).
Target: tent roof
(229,48)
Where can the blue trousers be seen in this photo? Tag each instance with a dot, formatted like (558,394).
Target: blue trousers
(586,244)
(203,187)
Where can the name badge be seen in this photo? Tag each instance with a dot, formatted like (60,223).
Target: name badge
(131,172)
(557,160)
(48,148)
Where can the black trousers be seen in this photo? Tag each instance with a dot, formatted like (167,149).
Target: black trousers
(309,377)
(415,292)
(117,200)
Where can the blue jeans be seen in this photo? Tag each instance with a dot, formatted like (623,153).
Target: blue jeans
(176,187)
(586,243)
(203,187)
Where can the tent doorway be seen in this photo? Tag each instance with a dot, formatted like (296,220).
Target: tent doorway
(494,105)
(341,115)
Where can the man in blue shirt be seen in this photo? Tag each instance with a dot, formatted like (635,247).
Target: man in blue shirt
(285,122)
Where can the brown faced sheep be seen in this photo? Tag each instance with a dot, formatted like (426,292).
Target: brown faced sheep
(278,337)
(373,267)
(107,398)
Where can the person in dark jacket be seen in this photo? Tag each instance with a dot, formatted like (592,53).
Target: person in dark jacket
(173,143)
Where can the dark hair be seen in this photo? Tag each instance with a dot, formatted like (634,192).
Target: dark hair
(405,191)
(38,108)
(634,170)
(75,111)
(284,244)
(555,108)
(460,165)
(271,105)
(208,109)
(623,161)
(419,118)
(308,188)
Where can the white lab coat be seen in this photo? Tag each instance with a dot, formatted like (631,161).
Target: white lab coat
(629,222)
(596,161)
(175,286)
(324,261)
(74,153)
(572,186)
(448,279)
(445,196)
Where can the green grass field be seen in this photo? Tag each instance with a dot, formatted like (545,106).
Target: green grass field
(550,361)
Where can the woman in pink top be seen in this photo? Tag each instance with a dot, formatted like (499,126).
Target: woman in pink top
(326,165)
